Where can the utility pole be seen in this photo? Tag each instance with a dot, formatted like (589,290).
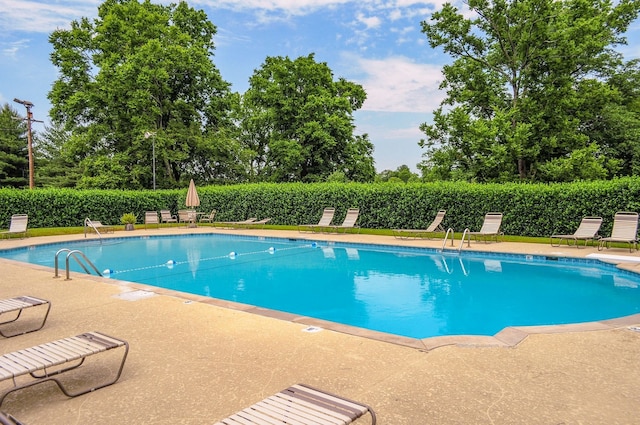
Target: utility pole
(29,119)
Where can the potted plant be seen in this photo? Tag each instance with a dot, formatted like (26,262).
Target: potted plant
(128,219)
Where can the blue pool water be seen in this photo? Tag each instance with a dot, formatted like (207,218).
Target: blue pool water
(416,293)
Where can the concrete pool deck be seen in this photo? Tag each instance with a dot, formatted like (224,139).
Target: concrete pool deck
(195,360)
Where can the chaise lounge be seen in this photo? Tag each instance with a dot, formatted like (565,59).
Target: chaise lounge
(301,405)
(490,228)
(434,227)
(18,226)
(45,362)
(151,218)
(586,231)
(349,222)
(166,217)
(14,307)
(325,220)
(625,230)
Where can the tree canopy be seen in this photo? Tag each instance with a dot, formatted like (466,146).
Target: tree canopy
(14,163)
(139,68)
(137,86)
(298,122)
(535,92)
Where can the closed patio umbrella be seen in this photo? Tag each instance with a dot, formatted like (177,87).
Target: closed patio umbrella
(192,201)
(192,196)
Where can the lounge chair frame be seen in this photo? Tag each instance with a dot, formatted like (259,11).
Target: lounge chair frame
(586,231)
(490,228)
(349,222)
(188,217)
(209,218)
(17,226)
(301,404)
(14,308)
(625,230)
(428,233)
(43,363)
(167,217)
(150,218)
(325,220)
(7,419)
(236,224)
(251,224)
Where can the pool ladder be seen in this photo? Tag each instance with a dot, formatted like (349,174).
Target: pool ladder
(465,235)
(79,257)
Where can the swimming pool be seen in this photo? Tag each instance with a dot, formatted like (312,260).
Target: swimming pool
(411,292)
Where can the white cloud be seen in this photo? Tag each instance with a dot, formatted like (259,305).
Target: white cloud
(369,22)
(43,16)
(398,84)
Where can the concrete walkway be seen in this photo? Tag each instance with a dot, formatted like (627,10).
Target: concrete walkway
(193,360)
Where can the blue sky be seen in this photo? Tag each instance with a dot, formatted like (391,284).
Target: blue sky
(377,44)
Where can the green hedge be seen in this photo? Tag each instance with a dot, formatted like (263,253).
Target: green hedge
(529,209)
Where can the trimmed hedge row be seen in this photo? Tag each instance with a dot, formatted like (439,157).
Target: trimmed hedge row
(529,209)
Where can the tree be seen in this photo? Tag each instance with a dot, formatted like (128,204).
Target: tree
(298,123)
(515,90)
(55,166)
(14,160)
(139,67)
(401,174)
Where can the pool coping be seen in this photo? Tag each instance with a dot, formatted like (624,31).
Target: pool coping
(508,337)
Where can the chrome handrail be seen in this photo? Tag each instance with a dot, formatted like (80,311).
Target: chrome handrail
(89,223)
(74,254)
(446,236)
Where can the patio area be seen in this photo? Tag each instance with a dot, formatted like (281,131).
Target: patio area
(194,360)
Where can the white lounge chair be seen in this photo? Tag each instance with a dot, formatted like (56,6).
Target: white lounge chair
(490,227)
(325,220)
(434,227)
(254,223)
(11,309)
(587,230)
(17,226)
(96,227)
(188,217)
(625,230)
(166,217)
(151,218)
(301,404)
(208,218)
(349,221)
(45,362)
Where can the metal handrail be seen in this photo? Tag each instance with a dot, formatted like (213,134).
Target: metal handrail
(89,223)
(465,234)
(446,236)
(74,254)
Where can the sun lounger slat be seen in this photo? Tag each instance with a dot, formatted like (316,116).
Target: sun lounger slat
(301,405)
(68,353)
(24,361)
(16,306)
(296,412)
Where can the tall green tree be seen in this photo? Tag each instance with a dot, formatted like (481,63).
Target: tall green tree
(14,158)
(518,85)
(298,123)
(55,167)
(139,68)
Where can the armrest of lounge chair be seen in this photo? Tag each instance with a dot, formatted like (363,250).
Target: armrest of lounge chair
(301,404)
